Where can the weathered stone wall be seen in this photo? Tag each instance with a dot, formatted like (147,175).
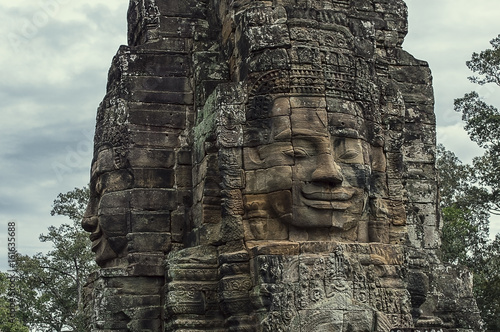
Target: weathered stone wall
(269,166)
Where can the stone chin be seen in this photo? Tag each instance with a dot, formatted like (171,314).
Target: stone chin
(307,217)
(102,250)
(106,249)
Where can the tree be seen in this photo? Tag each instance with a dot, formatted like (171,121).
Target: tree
(465,214)
(52,283)
(482,122)
(8,322)
(471,193)
(487,285)
(465,233)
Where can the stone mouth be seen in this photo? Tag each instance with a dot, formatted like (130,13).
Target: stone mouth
(95,245)
(325,198)
(257,214)
(96,237)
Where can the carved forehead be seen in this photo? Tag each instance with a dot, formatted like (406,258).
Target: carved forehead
(287,116)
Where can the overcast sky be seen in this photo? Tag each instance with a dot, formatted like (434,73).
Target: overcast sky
(54,58)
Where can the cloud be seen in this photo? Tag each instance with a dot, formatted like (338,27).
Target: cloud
(54,69)
(455,138)
(55,57)
(445,33)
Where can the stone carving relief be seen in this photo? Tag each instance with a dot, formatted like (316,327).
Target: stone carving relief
(330,292)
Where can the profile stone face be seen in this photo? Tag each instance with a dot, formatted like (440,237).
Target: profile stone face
(268,166)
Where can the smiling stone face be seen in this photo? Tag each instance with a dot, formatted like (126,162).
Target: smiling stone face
(306,177)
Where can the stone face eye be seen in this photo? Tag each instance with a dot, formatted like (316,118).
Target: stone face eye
(289,152)
(349,155)
(296,153)
(300,153)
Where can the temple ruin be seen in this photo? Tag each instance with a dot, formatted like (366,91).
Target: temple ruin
(269,166)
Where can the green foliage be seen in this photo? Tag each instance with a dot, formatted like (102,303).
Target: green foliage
(487,285)
(486,64)
(456,236)
(71,204)
(482,122)
(471,193)
(51,298)
(9,323)
(465,213)
(465,234)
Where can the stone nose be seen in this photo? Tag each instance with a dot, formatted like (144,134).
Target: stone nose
(327,170)
(89,224)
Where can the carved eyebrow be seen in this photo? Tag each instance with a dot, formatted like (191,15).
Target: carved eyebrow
(284,134)
(309,134)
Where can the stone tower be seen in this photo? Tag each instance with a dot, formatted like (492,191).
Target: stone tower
(269,166)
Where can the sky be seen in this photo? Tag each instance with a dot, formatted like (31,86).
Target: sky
(54,58)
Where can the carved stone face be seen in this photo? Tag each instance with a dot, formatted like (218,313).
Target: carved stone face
(107,211)
(328,173)
(327,191)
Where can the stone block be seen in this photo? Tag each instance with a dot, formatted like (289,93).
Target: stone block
(184,158)
(185,302)
(267,180)
(142,157)
(179,225)
(378,184)
(269,59)
(115,304)
(257,132)
(153,177)
(115,203)
(114,225)
(308,102)
(168,139)
(150,324)
(229,136)
(262,37)
(158,64)
(420,191)
(182,8)
(420,153)
(183,176)
(232,202)
(162,97)
(136,285)
(149,242)
(159,83)
(210,233)
(105,162)
(158,118)
(273,248)
(358,320)
(182,27)
(317,320)
(150,221)
(153,199)
(233,179)
(230,269)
